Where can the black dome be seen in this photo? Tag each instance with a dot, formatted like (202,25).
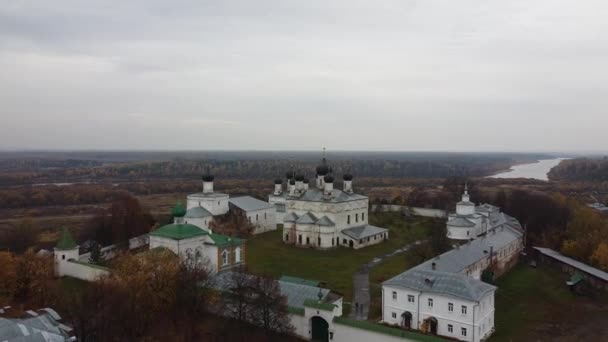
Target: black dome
(347,177)
(323,169)
(292,182)
(208,178)
(328,179)
(299,178)
(289,174)
(305,181)
(278,181)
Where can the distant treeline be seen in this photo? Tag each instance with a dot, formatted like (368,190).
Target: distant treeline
(581,169)
(250,165)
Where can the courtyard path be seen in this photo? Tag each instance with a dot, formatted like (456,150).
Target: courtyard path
(361,297)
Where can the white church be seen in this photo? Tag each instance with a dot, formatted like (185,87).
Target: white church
(470,221)
(321,216)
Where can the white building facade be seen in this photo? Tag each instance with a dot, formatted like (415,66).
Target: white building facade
(323,217)
(439,303)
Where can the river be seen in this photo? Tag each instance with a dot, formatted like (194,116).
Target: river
(536,170)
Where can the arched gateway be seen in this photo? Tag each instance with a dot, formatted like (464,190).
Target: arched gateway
(320,329)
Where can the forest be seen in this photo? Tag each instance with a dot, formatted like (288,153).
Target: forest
(581,169)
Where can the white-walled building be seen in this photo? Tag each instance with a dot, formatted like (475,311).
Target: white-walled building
(259,213)
(323,217)
(470,221)
(441,303)
(202,246)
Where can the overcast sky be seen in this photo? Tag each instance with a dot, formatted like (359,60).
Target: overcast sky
(516,75)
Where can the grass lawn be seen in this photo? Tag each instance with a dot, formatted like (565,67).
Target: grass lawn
(267,254)
(536,305)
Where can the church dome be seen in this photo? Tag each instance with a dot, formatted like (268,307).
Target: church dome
(328,179)
(306,181)
(299,178)
(347,177)
(323,169)
(289,174)
(208,177)
(292,181)
(179,210)
(278,181)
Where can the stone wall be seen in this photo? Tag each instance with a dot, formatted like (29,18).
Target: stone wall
(426,212)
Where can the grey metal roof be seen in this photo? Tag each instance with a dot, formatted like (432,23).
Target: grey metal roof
(460,222)
(325,221)
(458,259)
(197,212)
(486,207)
(362,232)
(291,217)
(248,203)
(453,284)
(316,195)
(295,293)
(42,328)
(307,218)
(576,264)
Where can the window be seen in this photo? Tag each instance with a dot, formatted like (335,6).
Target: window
(363,217)
(332,241)
(467,233)
(307,240)
(63,257)
(410,298)
(394,314)
(344,241)
(256,217)
(348,219)
(300,239)
(450,328)
(319,241)
(464,309)
(249,219)
(451,307)
(463,331)
(237,255)
(286,237)
(225,257)
(394,295)
(430,302)
(356,217)
(218,202)
(264,216)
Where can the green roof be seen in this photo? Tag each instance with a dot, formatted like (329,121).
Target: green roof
(179,231)
(312,303)
(66,241)
(223,240)
(296,280)
(383,329)
(295,311)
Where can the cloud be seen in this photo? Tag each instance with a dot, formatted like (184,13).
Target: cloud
(398,75)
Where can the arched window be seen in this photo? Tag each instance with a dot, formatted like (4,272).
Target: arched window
(237,255)
(256,217)
(348,219)
(363,217)
(225,257)
(356,217)
(264,216)
(319,241)
(332,241)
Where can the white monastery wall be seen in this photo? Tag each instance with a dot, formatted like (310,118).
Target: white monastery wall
(425,212)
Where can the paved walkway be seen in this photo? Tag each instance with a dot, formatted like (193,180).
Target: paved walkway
(360,304)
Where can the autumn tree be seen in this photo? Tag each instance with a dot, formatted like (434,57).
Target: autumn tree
(270,307)
(8,277)
(34,275)
(234,223)
(22,237)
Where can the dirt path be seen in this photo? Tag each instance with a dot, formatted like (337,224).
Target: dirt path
(361,297)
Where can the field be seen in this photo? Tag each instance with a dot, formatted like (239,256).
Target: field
(267,254)
(534,304)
